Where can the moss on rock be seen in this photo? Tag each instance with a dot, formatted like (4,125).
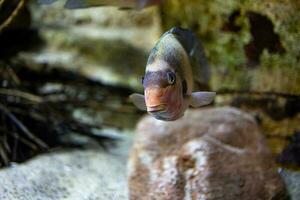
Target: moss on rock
(234,33)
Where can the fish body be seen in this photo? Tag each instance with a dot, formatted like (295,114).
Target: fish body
(75,4)
(176,65)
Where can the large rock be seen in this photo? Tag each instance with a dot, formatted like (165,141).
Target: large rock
(208,154)
(68,175)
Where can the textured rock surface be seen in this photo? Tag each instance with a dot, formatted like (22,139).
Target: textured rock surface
(69,175)
(292,181)
(245,40)
(208,154)
(251,46)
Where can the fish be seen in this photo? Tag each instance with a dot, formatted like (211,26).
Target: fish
(176,68)
(123,4)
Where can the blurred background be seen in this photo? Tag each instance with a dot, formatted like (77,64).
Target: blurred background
(66,74)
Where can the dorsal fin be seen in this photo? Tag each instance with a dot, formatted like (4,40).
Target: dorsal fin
(185,37)
(196,53)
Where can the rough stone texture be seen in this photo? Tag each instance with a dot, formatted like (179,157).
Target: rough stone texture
(278,117)
(252,46)
(292,181)
(208,154)
(69,175)
(266,32)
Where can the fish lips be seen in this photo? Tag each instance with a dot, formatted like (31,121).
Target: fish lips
(157,108)
(155,99)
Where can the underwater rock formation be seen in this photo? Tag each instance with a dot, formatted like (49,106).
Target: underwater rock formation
(252,47)
(207,154)
(292,182)
(61,175)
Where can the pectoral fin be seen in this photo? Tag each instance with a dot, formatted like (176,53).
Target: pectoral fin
(139,101)
(199,99)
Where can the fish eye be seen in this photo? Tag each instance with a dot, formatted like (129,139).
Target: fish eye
(171,78)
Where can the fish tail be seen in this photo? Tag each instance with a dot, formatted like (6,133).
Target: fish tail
(196,53)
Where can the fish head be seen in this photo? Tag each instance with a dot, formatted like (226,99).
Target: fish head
(163,94)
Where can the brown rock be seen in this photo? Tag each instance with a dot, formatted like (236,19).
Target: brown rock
(208,154)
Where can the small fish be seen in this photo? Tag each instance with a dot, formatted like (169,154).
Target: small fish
(175,67)
(123,4)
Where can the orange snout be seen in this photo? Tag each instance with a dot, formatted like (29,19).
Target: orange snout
(155,99)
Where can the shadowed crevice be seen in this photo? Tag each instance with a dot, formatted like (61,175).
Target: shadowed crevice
(231,25)
(263,37)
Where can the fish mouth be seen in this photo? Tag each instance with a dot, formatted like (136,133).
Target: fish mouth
(155,109)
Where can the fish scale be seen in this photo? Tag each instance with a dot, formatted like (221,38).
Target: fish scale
(199,70)
(196,53)
(169,49)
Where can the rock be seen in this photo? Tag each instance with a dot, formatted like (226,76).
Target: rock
(69,175)
(292,181)
(250,47)
(278,116)
(207,154)
(232,33)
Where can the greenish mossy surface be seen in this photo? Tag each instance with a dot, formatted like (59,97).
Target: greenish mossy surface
(225,29)
(251,46)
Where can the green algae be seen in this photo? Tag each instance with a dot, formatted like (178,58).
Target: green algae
(276,71)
